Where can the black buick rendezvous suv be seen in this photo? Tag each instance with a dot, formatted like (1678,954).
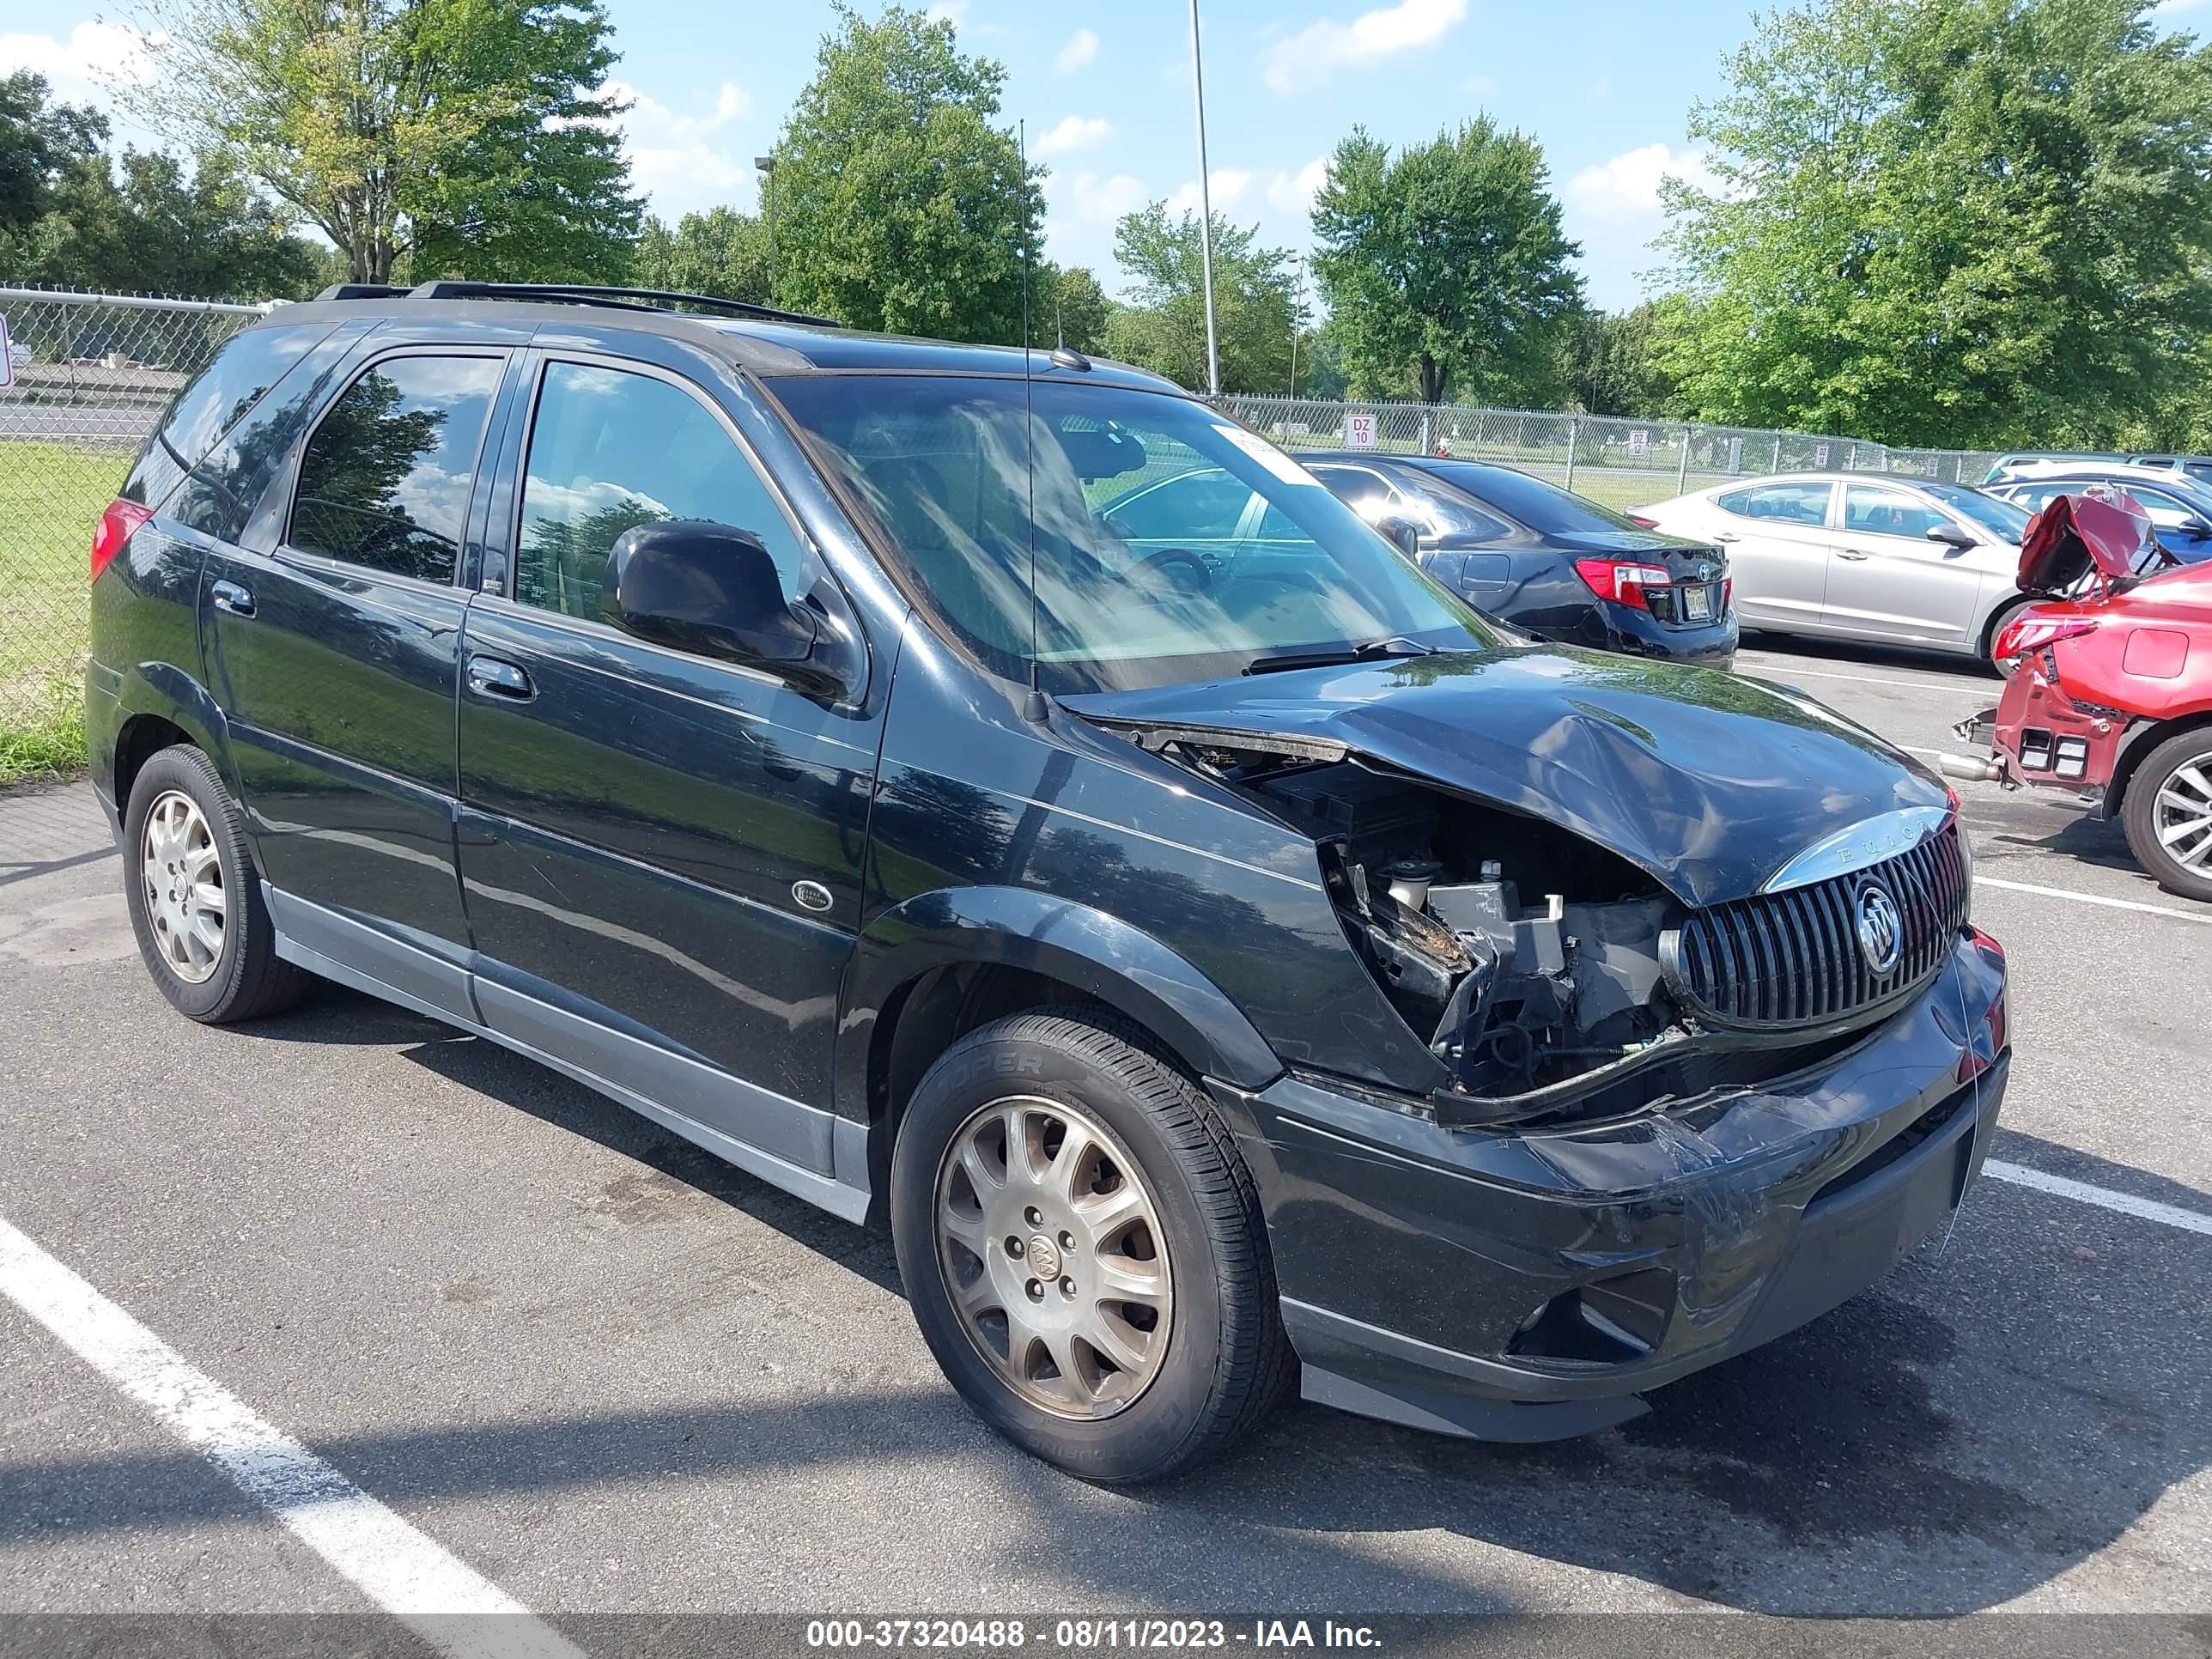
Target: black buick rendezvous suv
(1225,963)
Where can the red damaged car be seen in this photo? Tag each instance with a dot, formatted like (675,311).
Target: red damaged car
(2112,696)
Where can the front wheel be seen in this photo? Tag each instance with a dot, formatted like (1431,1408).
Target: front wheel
(1083,1250)
(2168,814)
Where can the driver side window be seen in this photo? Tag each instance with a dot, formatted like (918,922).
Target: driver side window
(609,450)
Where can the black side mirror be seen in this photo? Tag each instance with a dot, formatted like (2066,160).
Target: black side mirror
(1401,533)
(1952,535)
(2196,529)
(711,589)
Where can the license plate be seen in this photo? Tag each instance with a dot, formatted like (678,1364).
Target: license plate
(1698,602)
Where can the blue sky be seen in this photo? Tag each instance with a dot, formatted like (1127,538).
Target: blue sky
(1604,85)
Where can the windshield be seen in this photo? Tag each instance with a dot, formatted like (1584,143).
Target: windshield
(1169,544)
(1545,509)
(1999,518)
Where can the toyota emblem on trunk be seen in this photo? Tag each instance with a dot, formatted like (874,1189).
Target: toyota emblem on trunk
(1880,929)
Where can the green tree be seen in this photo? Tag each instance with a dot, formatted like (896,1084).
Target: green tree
(39,143)
(721,252)
(1614,365)
(152,226)
(1976,223)
(462,136)
(1164,327)
(900,201)
(1446,266)
(1069,307)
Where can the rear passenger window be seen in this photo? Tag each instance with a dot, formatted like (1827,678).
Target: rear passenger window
(246,366)
(611,450)
(1804,503)
(386,480)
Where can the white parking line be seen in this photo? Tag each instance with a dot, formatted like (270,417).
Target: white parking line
(2203,918)
(397,1567)
(2173,1215)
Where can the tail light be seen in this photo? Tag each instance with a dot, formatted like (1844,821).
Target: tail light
(2030,632)
(117,525)
(1642,523)
(1727,594)
(1622,581)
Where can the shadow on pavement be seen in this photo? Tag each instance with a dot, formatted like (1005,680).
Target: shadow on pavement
(2012,1400)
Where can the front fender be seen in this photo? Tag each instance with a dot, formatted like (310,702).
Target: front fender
(1102,956)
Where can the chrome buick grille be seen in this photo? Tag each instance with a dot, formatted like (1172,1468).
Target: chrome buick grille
(1816,954)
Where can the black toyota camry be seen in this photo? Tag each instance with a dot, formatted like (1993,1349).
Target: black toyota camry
(1551,563)
(1226,963)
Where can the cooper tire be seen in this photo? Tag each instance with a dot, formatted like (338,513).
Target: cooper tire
(2162,795)
(198,846)
(1225,1360)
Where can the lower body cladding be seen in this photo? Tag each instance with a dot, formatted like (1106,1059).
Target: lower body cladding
(1530,1283)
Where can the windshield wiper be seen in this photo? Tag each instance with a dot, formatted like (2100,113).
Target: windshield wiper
(1367,651)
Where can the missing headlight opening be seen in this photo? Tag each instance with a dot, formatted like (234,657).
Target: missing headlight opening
(1529,961)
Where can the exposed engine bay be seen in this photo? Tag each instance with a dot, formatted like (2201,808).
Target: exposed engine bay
(1527,958)
(1464,916)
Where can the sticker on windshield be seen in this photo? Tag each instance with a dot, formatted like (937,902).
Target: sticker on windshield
(1268,456)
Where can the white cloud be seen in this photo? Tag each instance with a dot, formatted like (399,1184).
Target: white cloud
(1293,192)
(1075,132)
(954,12)
(1081,48)
(1225,184)
(1627,186)
(683,162)
(1101,201)
(84,68)
(1481,85)
(1316,50)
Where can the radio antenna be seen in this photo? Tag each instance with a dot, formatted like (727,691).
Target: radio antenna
(1033,709)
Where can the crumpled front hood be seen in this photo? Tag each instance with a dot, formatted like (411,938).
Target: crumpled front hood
(1710,781)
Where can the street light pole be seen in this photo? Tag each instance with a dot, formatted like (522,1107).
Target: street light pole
(765,166)
(1204,212)
(1297,305)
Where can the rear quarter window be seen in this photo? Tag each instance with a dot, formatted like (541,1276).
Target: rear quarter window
(244,368)
(1805,504)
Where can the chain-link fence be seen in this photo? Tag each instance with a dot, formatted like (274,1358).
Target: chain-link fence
(88,377)
(1621,462)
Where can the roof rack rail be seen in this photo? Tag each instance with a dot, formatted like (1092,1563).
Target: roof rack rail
(361,291)
(584,293)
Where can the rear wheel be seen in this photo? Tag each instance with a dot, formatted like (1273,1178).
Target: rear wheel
(1083,1249)
(2004,666)
(195,898)
(2168,814)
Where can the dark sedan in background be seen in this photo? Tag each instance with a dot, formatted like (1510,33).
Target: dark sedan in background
(1549,563)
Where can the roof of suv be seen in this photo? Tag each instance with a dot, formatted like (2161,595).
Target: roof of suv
(768,343)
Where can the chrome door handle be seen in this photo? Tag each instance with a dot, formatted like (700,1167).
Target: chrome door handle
(1853,555)
(229,596)
(495,677)
(1728,535)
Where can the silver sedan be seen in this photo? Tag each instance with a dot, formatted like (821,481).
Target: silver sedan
(1852,556)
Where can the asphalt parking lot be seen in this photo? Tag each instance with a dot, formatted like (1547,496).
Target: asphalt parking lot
(597,1370)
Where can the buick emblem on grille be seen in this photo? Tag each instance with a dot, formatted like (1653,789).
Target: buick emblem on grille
(1880,929)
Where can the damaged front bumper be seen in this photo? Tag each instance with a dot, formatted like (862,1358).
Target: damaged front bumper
(1530,1283)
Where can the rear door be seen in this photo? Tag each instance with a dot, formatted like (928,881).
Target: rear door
(661,851)
(1890,582)
(1778,542)
(335,658)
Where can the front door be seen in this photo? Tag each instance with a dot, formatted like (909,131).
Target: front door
(661,852)
(335,657)
(1777,540)
(1889,581)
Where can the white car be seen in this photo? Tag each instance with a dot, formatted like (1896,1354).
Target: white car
(1861,556)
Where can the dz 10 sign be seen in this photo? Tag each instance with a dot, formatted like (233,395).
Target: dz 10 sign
(1359,432)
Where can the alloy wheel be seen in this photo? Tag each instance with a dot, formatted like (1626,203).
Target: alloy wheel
(186,903)
(1053,1256)
(2182,814)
